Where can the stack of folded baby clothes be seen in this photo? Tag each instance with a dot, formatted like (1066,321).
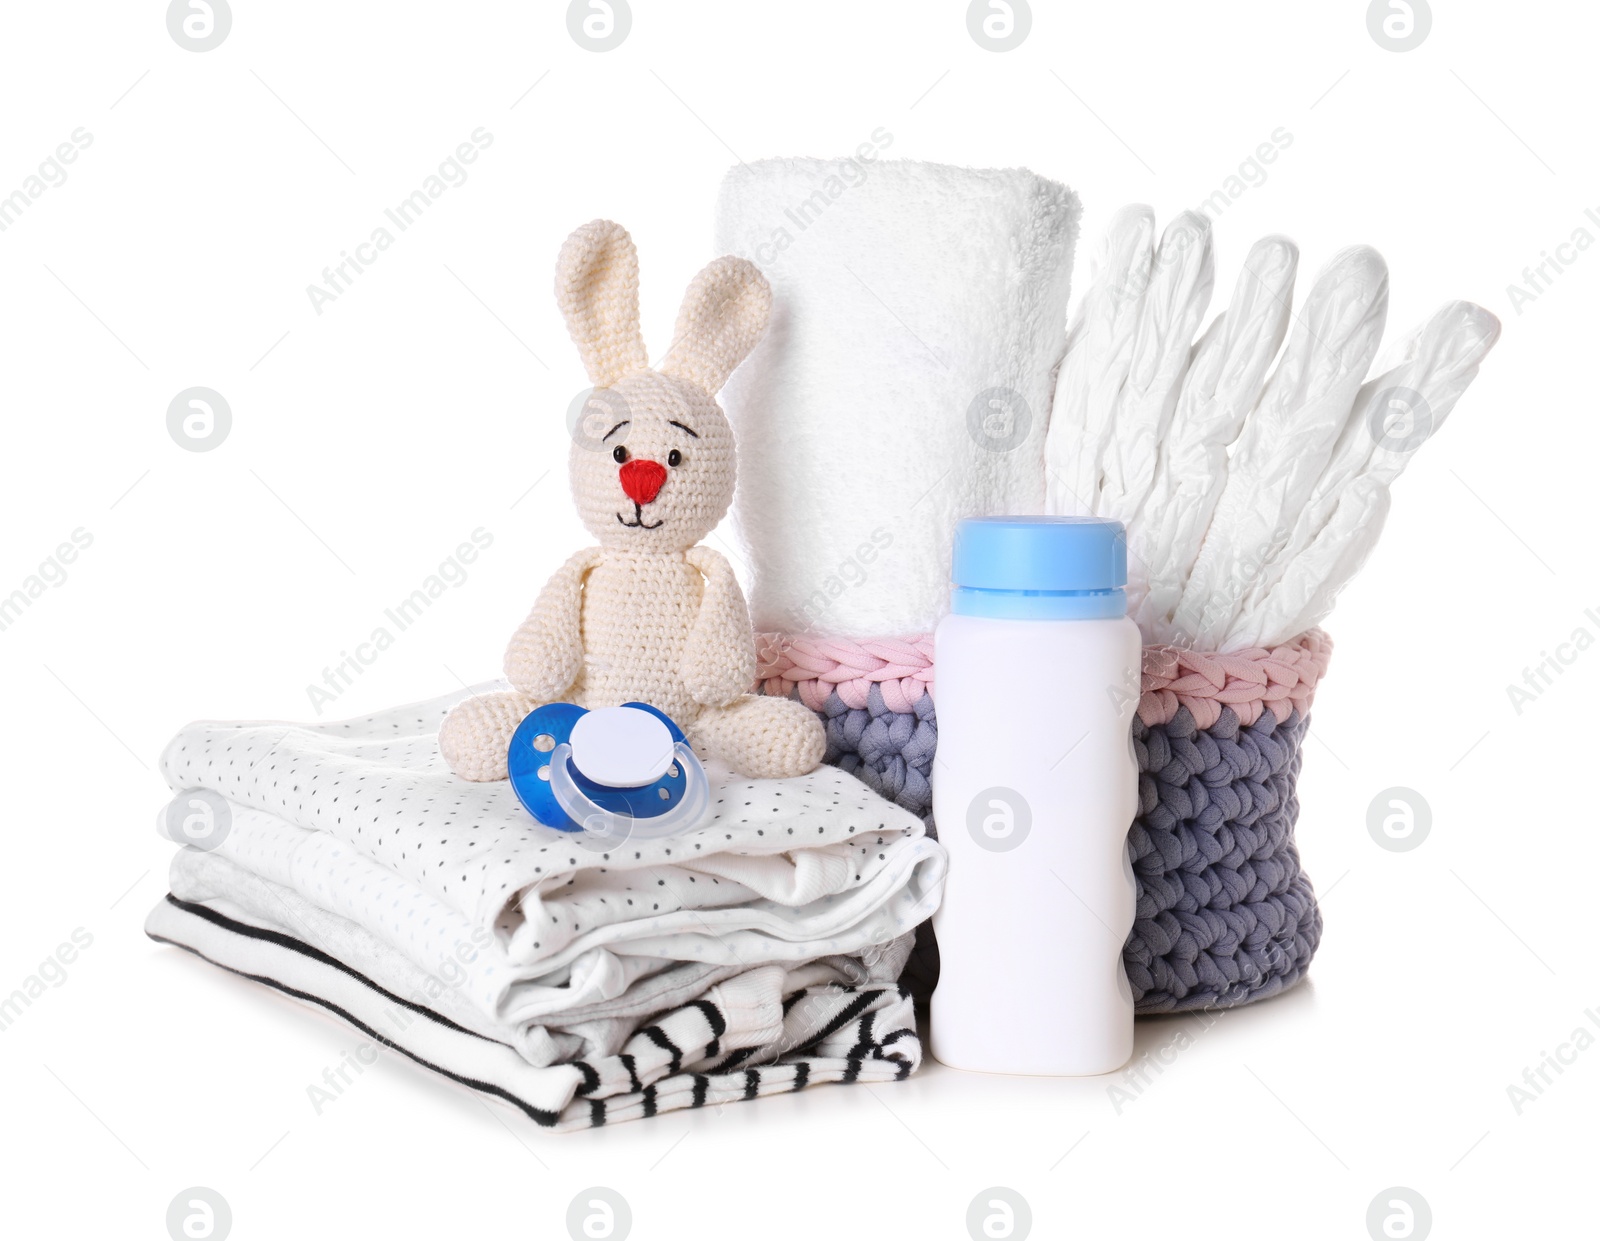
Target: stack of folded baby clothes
(579,980)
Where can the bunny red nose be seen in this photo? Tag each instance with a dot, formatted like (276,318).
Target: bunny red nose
(642,479)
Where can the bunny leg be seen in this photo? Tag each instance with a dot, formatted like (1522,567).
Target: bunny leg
(476,734)
(763,738)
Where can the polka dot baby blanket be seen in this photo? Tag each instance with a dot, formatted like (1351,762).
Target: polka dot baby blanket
(362,820)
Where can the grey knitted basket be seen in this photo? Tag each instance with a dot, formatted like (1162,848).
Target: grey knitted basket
(1225,914)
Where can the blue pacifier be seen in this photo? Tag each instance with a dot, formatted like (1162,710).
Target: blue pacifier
(614,772)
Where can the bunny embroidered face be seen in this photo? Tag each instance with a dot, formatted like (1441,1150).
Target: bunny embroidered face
(652,468)
(659,475)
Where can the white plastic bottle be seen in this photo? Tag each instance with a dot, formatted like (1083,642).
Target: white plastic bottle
(1035,786)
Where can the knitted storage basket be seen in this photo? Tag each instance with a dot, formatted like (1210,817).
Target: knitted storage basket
(1224,915)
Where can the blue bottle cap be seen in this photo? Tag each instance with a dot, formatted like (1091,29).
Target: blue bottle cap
(1040,568)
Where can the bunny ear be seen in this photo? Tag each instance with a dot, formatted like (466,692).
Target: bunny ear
(597,288)
(724,313)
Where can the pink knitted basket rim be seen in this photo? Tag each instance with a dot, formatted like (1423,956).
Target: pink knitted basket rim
(1249,681)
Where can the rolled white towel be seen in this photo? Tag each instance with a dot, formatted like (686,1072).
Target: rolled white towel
(905,381)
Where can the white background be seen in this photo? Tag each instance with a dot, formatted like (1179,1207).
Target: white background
(369,440)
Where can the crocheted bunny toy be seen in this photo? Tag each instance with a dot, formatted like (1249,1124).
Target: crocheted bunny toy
(649,615)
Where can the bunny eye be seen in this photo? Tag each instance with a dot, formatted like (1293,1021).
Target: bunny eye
(674,457)
(619,454)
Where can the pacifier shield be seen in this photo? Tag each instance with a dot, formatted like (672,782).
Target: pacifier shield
(530,754)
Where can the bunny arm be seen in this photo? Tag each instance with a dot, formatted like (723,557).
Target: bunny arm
(719,659)
(545,655)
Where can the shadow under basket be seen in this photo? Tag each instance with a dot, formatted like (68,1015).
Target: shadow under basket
(1225,915)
